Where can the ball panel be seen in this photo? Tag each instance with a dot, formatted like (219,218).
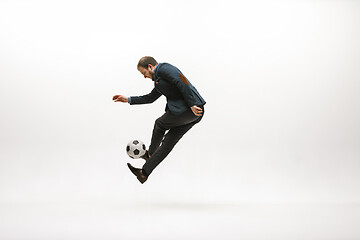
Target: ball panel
(135,149)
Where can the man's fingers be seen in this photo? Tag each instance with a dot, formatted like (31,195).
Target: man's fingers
(118,98)
(121,99)
(197,111)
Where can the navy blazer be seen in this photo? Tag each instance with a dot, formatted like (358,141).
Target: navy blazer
(179,92)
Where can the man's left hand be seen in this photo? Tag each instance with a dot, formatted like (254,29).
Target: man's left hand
(196,110)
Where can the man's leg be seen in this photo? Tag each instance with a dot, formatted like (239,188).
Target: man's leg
(178,126)
(161,146)
(170,140)
(157,135)
(166,122)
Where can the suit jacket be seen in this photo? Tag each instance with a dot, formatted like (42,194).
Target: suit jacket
(179,92)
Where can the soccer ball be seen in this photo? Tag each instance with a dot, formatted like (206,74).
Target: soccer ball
(135,149)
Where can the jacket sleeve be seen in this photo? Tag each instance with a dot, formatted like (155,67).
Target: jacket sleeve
(174,76)
(148,98)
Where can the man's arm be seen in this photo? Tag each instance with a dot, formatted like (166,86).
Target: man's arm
(148,98)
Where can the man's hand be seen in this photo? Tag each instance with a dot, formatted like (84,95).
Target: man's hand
(197,111)
(120,98)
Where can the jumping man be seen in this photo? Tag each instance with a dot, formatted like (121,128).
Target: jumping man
(184,108)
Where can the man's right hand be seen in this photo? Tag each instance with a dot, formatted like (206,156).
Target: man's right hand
(120,98)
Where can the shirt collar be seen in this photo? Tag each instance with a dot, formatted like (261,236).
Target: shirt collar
(156,67)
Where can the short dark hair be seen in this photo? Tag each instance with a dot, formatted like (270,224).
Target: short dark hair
(145,61)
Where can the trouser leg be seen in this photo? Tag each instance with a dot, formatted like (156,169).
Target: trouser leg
(168,143)
(166,122)
(157,137)
(161,144)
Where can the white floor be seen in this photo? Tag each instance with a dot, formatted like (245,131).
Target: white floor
(171,221)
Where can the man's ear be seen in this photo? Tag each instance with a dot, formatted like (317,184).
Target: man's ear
(150,67)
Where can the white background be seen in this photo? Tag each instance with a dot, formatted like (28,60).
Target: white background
(281,81)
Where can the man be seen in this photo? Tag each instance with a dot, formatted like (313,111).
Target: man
(184,108)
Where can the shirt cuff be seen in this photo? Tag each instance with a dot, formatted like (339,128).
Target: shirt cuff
(129,100)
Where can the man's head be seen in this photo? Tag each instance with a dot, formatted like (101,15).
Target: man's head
(146,66)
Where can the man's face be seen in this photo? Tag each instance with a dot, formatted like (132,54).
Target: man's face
(147,73)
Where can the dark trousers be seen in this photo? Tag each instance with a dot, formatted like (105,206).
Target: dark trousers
(161,143)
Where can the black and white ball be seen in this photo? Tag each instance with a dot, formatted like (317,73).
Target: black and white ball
(135,149)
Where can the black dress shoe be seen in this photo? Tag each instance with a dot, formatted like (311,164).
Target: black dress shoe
(138,173)
(146,156)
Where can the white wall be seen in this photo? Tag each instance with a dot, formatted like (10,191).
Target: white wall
(281,80)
